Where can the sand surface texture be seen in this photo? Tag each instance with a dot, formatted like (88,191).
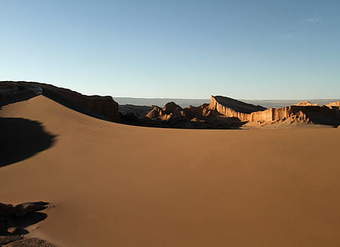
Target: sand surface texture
(127,186)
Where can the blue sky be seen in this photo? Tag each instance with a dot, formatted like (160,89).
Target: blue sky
(254,49)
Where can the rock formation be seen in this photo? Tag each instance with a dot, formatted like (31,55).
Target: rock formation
(172,115)
(170,111)
(334,105)
(30,242)
(136,110)
(305,103)
(226,111)
(233,108)
(9,211)
(303,112)
(11,92)
(222,112)
(297,114)
(99,106)
(12,220)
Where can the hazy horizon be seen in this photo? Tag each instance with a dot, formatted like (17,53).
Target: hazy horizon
(197,102)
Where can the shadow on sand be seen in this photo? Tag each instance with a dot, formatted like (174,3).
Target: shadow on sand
(228,123)
(15,222)
(22,138)
(20,223)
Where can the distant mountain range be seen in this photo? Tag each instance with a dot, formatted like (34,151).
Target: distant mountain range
(197,102)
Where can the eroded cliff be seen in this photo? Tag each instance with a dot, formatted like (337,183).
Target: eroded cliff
(99,106)
(303,112)
(233,108)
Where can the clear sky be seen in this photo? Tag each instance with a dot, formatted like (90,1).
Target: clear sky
(254,49)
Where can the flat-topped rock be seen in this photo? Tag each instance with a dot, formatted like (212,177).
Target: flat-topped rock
(233,108)
(235,105)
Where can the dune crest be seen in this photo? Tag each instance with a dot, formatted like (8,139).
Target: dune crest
(99,106)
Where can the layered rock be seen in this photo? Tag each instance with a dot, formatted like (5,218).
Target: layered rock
(303,112)
(233,108)
(298,114)
(99,106)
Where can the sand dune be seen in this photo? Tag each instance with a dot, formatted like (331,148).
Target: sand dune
(127,186)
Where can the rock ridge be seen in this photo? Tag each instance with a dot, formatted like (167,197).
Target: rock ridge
(98,106)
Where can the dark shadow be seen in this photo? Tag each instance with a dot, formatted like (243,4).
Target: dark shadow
(22,138)
(17,99)
(16,93)
(22,222)
(320,115)
(14,219)
(230,123)
(27,220)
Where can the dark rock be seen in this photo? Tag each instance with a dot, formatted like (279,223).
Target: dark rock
(29,207)
(31,242)
(8,239)
(6,209)
(98,106)
(12,92)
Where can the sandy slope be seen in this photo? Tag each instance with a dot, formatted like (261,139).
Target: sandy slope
(116,185)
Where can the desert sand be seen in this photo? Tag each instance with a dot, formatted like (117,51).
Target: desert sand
(128,186)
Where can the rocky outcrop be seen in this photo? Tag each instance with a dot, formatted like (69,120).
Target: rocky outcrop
(233,108)
(8,210)
(272,115)
(171,111)
(172,115)
(10,92)
(334,105)
(305,103)
(15,218)
(297,114)
(303,112)
(136,110)
(31,242)
(223,112)
(99,106)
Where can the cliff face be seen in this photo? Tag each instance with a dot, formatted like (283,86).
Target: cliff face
(229,112)
(298,114)
(10,93)
(233,108)
(292,113)
(303,112)
(99,106)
